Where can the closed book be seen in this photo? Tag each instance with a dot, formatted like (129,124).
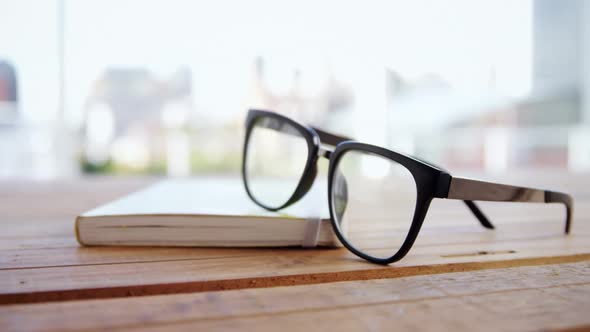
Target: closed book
(204,213)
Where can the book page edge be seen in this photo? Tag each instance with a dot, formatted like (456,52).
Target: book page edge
(77,230)
(332,242)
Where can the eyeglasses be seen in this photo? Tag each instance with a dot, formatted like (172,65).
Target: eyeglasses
(377,198)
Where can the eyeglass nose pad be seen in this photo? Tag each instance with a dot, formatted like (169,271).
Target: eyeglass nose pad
(340,188)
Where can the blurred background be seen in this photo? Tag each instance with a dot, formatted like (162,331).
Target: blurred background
(162,87)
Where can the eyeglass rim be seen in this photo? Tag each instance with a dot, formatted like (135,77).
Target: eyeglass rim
(307,176)
(424,177)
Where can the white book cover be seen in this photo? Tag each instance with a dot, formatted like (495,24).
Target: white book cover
(205,212)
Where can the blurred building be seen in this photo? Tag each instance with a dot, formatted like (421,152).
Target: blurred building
(549,127)
(559,58)
(8,93)
(128,112)
(136,96)
(315,107)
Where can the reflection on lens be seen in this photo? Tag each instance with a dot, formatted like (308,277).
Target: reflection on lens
(373,201)
(276,156)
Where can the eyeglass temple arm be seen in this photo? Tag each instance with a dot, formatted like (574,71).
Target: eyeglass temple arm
(468,189)
(333,140)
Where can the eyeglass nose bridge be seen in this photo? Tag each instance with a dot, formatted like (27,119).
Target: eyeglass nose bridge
(306,182)
(309,178)
(324,151)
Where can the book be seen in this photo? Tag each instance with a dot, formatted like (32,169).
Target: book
(204,213)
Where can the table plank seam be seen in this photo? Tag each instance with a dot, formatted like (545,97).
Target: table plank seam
(277,280)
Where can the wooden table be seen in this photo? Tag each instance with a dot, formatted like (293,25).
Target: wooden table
(525,275)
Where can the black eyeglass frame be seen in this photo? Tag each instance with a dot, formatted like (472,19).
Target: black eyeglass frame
(310,170)
(431,182)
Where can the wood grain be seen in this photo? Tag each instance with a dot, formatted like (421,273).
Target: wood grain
(40,261)
(515,299)
(139,271)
